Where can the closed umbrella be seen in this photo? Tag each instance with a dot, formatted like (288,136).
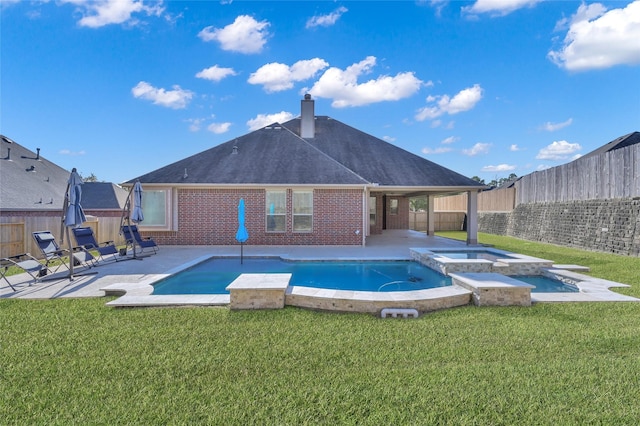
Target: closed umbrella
(137,215)
(242,235)
(74,215)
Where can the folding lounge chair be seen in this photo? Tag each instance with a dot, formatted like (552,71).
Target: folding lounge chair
(52,251)
(132,235)
(27,263)
(85,239)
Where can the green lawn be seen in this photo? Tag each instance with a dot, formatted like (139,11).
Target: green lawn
(79,362)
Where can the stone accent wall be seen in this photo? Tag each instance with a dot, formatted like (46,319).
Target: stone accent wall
(209,217)
(611,226)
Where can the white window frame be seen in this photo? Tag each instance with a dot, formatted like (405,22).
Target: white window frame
(168,216)
(282,214)
(294,214)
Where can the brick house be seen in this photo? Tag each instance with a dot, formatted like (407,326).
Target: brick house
(310,181)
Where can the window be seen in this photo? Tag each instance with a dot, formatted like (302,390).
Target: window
(302,211)
(155,208)
(372,211)
(276,208)
(393,206)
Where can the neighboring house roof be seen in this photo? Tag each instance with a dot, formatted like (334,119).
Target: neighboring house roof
(337,155)
(621,142)
(103,196)
(30,182)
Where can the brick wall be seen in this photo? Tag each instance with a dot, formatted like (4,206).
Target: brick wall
(611,226)
(209,217)
(401,219)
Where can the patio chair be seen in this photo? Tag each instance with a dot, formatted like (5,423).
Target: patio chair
(51,251)
(25,262)
(132,235)
(85,239)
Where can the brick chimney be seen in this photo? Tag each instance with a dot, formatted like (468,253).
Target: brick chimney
(307,118)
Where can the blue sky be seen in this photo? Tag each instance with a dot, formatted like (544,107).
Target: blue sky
(118,88)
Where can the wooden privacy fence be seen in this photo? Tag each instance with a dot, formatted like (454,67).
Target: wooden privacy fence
(497,200)
(11,239)
(16,236)
(613,174)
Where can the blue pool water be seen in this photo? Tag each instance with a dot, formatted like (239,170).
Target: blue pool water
(547,285)
(473,254)
(214,275)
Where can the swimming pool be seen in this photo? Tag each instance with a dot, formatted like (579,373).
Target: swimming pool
(213,275)
(547,285)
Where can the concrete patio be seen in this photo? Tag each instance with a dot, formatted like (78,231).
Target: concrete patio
(390,245)
(134,276)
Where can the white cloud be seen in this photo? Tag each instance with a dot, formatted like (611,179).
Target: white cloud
(498,7)
(598,39)
(542,167)
(215,73)
(262,120)
(450,139)
(389,138)
(98,13)
(464,100)
(558,150)
(194,124)
(552,127)
(72,153)
(275,77)
(439,150)
(479,148)
(245,35)
(498,168)
(219,128)
(515,148)
(176,98)
(342,85)
(326,20)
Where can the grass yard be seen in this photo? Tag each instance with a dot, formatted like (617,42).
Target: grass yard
(78,362)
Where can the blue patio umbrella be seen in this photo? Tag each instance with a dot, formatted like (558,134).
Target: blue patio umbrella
(242,235)
(137,215)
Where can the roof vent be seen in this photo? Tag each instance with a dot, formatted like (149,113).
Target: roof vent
(185,175)
(8,157)
(31,169)
(235,150)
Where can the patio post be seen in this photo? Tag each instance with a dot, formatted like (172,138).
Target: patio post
(431,216)
(472,218)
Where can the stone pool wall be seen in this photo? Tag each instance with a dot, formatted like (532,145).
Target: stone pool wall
(611,226)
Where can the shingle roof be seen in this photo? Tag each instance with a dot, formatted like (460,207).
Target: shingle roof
(621,142)
(271,155)
(376,160)
(29,181)
(103,196)
(339,154)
